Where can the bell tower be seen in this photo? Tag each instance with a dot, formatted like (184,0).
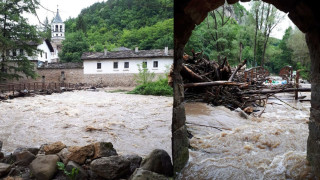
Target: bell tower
(57,32)
(58,27)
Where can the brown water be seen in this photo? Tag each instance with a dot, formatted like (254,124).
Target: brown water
(227,146)
(135,124)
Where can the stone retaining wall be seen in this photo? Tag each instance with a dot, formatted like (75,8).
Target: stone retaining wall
(74,74)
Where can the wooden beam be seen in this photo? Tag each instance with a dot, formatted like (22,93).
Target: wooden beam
(214,83)
(276,91)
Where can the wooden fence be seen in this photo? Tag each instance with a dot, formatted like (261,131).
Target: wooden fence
(252,73)
(36,86)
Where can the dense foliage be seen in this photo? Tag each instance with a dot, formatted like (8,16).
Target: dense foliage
(73,47)
(220,36)
(18,39)
(128,23)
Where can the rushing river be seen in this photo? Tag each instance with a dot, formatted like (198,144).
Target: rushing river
(134,124)
(227,146)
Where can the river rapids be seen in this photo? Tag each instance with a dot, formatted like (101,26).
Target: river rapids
(228,146)
(134,124)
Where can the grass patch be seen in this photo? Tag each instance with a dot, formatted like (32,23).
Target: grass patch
(157,88)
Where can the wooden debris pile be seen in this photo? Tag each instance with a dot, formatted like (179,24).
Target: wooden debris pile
(211,82)
(219,84)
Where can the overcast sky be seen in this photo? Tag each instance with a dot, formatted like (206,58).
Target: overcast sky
(67,8)
(279,30)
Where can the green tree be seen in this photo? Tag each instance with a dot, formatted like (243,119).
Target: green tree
(17,40)
(297,43)
(81,25)
(218,36)
(130,23)
(73,47)
(282,55)
(150,37)
(265,17)
(46,29)
(300,52)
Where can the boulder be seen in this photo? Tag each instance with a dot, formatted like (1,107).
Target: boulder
(81,175)
(24,158)
(103,149)
(19,171)
(4,169)
(63,155)
(8,159)
(135,162)
(112,167)
(141,174)
(44,167)
(80,154)
(158,161)
(53,148)
(33,150)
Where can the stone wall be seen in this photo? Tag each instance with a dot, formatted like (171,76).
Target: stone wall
(72,73)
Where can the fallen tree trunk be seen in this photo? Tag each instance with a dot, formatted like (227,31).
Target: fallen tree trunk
(214,83)
(276,91)
(187,73)
(239,67)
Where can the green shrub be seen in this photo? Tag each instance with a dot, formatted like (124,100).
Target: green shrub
(157,88)
(144,76)
(71,175)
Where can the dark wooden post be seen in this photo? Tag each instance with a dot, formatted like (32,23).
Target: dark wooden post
(313,145)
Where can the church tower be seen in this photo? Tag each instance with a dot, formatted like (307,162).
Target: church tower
(57,29)
(57,32)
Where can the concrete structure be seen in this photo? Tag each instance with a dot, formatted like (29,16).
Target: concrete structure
(126,62)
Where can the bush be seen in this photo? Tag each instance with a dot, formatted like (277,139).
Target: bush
(144,76)
(157,88)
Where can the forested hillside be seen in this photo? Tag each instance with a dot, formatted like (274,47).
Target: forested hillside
(115,23)
(235,33)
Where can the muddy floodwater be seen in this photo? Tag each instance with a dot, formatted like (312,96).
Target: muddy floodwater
(135,124)
(228,146)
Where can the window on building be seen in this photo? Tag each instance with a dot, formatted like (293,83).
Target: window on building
(60,34)
(144,64)
(126,65)
(115,65)
(98,65)
(60,28)
(21,52)
(56,28)
(8,53)
(56,34)
(155,64)
(46,55)
(14,52)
